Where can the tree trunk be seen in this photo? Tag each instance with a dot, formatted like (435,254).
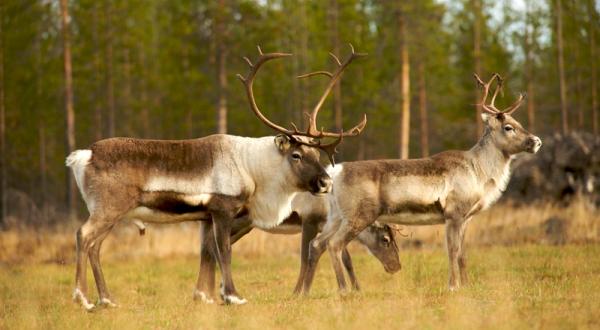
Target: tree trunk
(404,78)
(561,69)
(529,41)
(145,112)
(593,58)
(3,204)
(43,170)
(335,44)
(304,83)
(125,99)
(69,111)
(580,101)
(424,118)
(221,56)
(476,5)
(97,75)
(110,88)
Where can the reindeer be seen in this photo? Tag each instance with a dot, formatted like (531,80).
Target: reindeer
(216,178)
(448,188)
(308,217)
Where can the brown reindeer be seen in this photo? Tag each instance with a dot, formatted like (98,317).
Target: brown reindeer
(447,188)
(217,178)
(308,217)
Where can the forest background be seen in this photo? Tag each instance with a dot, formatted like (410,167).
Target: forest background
(74,72)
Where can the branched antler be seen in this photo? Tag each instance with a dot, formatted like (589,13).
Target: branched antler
(312,131)
(333,79)
(491,108)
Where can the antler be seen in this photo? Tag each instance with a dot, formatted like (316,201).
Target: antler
(334,78)
(248,81)
(491,108)
(311,131)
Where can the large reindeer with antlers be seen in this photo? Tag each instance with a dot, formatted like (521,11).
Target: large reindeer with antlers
(215,178)
(448,188)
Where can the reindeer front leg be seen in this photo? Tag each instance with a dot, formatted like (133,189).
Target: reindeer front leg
(208,254)
(222,231)
(309,232)
(462,257)
(453,249)
(206,277)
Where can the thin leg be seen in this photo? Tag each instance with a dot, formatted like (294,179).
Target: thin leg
(206,276)
(309,232)
(462,257)
(347,260)
(336,245)
(85,236)
(453,249)
(316,248)
(94,255)
(222,232)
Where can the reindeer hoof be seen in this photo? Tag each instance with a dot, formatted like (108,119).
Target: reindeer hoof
(78,296)
(234,300)
(105,302)
(203,297)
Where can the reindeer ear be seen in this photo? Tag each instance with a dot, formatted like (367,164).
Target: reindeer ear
(485,117)
(283,142)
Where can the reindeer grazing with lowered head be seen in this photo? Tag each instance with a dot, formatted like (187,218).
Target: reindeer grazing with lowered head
(214,179)
(447,188)
(308,217)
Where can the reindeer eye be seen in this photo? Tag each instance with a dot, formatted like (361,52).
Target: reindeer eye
(508,128)
(386,240)
(297,156)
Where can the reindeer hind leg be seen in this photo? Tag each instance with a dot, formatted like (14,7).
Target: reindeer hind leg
(104,298)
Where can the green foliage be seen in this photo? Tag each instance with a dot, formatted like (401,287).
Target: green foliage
(164,70)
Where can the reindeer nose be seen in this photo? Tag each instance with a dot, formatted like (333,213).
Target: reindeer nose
(325,184)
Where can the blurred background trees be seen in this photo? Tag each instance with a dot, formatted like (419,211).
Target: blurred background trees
(166,70)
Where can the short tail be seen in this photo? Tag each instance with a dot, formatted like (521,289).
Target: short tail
(77,161)
(78,158)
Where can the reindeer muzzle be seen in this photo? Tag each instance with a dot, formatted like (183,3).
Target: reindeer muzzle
(534,144)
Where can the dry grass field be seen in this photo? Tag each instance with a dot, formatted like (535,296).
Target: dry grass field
(518,279)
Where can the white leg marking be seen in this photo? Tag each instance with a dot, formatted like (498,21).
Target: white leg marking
(231,299)
(199,295)
(234,300)
(78,296)
(106,302)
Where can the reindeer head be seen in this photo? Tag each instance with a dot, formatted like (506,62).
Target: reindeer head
(380,240)
(505,132)
(300,149)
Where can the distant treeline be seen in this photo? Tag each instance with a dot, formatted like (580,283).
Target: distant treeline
(166,70)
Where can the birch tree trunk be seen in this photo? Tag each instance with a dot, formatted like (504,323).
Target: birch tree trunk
(594,77)
(404,78)
(69,111)
(98,116)
(528,43)
(476,6)
(561,69)
(221,56)
(110,86)
(3,204)
(424,118)
(335,43)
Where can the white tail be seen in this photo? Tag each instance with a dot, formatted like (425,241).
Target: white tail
(77,161)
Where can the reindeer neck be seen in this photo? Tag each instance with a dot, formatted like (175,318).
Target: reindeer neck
(489,161)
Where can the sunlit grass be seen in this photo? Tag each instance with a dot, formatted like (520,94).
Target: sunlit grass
(511,287)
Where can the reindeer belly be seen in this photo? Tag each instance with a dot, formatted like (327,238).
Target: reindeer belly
(169,207)
(411,213)
(410,218)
